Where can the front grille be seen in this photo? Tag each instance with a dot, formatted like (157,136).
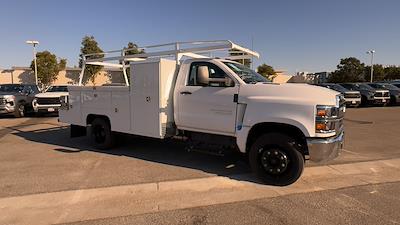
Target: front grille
(48,101)
(352,95)
(382,94)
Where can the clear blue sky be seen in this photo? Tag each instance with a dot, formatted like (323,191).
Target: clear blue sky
(292,35)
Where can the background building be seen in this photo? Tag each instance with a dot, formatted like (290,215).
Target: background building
(25,75)
(313,78)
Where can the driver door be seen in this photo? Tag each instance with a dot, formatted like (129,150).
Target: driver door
(208,105)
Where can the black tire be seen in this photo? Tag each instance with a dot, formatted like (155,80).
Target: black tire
(275,160)
(364,101)
(101,135)
(393,100)
(19,110)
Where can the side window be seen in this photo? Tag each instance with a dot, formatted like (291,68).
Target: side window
(206,74)
(35,89)
(28,89)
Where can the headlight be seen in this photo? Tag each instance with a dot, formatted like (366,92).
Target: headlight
(34,102)
(371,93)
(9,98)
(325,126)
(328,119)
(325,112)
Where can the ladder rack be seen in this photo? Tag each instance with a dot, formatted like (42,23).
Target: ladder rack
(176,50)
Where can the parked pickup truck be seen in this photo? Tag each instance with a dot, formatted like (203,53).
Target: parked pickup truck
(212,104)
(49,101)
(353,98)
(369,95)
(16,99)
(393,90)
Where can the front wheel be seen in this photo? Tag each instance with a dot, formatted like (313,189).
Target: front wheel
(101,134)
(275,160)
(19,110)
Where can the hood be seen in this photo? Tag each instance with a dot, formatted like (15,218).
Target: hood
(289,92)
(352,92)
(51,94)
(9,93)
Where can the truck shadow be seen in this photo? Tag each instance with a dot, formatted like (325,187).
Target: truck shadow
(232,165)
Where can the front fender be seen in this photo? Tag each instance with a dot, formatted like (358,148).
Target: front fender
(297,115)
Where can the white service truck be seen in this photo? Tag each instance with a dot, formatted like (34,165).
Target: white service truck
(212,103)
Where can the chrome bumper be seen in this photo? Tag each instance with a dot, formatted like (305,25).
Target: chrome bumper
(38,108)
(325,149)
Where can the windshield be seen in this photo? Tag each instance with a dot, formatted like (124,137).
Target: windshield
(365,86)
(11,88)
(57,89)
(387,86)
(355,87)
(337,87)
(246,74)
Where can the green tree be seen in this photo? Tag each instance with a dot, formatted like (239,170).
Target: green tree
(48,67)
(267,71)
(90,46)
(379,73)
(349,70)
(133,50)
(246,62)
(392,72)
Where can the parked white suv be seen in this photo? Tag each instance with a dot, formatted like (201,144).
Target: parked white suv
(49,101)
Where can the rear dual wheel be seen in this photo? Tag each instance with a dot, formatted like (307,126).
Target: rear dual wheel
(101,135)
(275,159)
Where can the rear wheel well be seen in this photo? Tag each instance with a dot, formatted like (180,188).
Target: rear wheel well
(290,130)
(91,117)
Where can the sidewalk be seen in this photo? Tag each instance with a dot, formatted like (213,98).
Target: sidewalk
(87,204)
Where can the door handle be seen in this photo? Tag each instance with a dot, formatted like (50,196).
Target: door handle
(186,93)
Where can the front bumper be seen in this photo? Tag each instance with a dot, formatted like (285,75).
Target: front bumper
(46,108)
(381,100)
(353,101)
(325,149)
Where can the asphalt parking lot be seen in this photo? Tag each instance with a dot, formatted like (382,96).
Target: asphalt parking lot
(48,178)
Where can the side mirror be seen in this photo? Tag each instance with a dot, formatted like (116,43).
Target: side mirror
(203,75)
(229,82)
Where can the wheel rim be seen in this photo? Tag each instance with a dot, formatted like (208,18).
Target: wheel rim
(99,134)
(274,161)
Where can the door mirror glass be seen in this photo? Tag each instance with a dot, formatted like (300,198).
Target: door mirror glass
(207,74)
(229,82)
(203,75)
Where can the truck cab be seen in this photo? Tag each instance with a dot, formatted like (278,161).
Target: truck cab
(214,103)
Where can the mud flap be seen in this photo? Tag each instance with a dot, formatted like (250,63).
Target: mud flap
(78,131)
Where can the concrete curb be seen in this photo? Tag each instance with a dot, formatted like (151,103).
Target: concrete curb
(88,204)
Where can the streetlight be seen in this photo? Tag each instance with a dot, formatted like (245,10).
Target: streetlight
(34,43)
(372,63)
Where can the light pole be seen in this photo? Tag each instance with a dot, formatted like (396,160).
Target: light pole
(34,43)
(372,63)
